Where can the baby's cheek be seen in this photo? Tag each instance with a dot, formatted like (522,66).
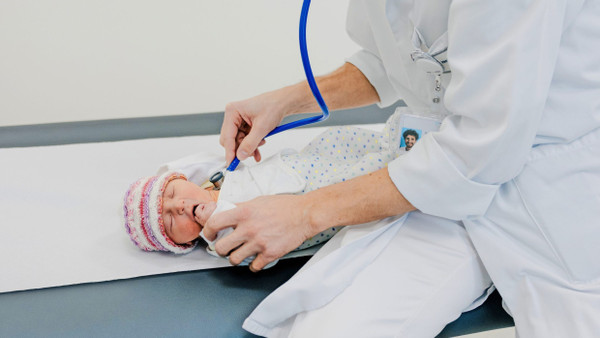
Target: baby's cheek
(193,228)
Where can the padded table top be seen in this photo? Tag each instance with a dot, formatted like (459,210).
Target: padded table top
(204,303)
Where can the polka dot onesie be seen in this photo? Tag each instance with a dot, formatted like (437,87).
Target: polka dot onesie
(342,153)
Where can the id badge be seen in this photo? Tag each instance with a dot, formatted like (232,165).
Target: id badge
(410,128)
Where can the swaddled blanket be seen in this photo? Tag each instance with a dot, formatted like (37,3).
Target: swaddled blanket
(336,155)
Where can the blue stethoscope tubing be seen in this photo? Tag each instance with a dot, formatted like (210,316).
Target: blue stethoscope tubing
(311,82)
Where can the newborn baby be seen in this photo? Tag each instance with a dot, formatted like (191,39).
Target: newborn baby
(167,212)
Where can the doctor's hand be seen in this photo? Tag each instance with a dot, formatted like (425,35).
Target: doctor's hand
(268,227)
(247,122)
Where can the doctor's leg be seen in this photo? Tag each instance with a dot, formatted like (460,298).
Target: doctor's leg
(425,278)
(540,241)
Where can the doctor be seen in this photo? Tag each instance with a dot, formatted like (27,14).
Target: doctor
(507,190)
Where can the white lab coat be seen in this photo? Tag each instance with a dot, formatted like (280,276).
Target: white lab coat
(516,162)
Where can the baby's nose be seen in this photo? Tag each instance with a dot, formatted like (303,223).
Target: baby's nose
(185,206)
(180,206)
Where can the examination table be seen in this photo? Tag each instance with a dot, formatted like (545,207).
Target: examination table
(203,303)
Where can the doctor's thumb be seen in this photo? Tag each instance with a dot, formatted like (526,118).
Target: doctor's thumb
(249,145)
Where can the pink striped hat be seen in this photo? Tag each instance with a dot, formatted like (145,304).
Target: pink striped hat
(143,214)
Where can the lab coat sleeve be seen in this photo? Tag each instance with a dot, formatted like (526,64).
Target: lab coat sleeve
(502,55)
(372,68)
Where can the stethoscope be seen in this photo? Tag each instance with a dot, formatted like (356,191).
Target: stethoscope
(217,178)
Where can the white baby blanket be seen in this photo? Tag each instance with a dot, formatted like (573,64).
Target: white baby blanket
(61,205)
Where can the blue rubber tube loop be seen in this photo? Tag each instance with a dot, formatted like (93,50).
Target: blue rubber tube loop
(311,82)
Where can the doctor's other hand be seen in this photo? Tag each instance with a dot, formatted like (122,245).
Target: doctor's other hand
(247,122)
(268,227)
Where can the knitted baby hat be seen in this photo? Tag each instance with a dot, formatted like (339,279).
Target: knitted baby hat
(143,214)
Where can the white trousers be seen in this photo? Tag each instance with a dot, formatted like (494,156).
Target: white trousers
(424,278)
(540,241)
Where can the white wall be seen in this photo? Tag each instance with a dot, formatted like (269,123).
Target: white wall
(73,60)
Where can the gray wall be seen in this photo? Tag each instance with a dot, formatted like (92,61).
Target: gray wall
(71,60)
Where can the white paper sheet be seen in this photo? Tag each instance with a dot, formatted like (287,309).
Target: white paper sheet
(60,209)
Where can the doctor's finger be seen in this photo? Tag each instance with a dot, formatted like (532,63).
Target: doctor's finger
(257,155)
(228,141)
(230,244)
(232,123)
(238,255)
(220,221)
(260,262)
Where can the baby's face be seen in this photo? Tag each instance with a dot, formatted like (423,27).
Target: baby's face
(186,208)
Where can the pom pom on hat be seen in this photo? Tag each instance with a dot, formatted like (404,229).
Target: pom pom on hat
(143,214)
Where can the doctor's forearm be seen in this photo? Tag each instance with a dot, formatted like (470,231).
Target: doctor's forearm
(359,200)
(344,88)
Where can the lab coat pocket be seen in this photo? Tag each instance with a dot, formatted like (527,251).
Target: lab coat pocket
(560,186)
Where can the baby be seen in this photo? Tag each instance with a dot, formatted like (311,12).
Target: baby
(167,212)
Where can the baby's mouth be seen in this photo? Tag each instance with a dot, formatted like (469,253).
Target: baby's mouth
(194,209)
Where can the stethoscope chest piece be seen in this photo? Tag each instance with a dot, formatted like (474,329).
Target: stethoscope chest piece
(217,180)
